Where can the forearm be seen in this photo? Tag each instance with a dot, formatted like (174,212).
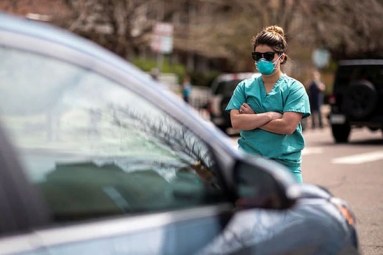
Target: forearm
(279,126)
(249,121)
(320,86)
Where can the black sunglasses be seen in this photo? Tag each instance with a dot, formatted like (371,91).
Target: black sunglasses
(269,56)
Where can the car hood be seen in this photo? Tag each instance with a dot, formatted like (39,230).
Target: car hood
(311,226)
(303,229)
(314,191)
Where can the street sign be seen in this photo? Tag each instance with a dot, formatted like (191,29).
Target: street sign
(162,28)
(321,57)
(162,37)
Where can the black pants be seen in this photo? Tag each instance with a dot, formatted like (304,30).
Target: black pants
(316,114)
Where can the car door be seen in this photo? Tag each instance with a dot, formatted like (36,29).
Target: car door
(116,174)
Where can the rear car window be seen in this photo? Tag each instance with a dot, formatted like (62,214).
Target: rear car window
(350,73)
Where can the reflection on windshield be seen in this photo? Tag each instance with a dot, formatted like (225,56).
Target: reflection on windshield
(76,129)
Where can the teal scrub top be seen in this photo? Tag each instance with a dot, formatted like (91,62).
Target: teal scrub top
(287,95)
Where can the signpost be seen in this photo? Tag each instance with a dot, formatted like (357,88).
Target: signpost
(162,41)
(162,37)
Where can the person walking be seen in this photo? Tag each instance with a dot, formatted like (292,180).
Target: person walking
(268,109)
(155,73)
(186,88)
(316,88)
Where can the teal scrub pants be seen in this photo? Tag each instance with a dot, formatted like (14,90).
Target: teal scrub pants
(296,171)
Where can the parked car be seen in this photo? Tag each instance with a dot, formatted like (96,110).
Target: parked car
(220,94)
(98,158)
(357,98)
(221,91)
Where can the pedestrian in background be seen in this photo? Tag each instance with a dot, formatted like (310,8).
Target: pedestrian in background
(155,73)
(268,109)
(186,88)
(315,90)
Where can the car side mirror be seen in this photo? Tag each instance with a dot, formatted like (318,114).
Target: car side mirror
(262,183)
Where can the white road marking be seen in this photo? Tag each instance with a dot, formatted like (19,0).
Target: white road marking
(359,158)
(312,150)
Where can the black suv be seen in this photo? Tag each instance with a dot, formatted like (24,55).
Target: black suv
(357,99)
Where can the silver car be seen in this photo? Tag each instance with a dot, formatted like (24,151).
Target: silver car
(98,158)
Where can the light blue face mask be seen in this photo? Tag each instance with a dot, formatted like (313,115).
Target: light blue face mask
(266,67)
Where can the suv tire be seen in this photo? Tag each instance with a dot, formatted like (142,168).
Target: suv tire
(360,100)
(341,133)
(356,100)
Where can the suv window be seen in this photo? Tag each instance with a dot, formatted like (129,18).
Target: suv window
(226,87)
(94,148)
(348,74)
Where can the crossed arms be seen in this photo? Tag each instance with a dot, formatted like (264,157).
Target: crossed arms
(246,119)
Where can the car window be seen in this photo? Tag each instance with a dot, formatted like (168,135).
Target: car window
(349,74)
(226,87)
(94,148)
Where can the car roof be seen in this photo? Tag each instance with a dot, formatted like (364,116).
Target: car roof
(356,62)
(51,33)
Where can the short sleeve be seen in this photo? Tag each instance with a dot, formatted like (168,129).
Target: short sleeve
(297,100)
(238,97)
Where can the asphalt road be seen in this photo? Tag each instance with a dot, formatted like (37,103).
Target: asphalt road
(353,172)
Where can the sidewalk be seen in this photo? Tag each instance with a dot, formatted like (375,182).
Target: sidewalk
(325,111)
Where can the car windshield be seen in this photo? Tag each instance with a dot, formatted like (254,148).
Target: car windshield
(226,87)
(92,146)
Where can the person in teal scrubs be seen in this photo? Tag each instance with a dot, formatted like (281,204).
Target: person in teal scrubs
(268,109)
